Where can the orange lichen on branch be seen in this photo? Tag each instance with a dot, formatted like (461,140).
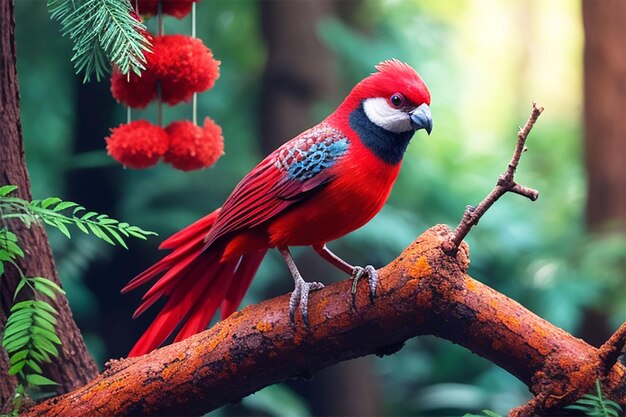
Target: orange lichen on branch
(424,291)
(421,268)
(263,326)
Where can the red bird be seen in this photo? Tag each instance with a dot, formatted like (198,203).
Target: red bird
(319,186)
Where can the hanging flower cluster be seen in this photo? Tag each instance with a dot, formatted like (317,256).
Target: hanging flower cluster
(177,68)
(193,147)
(140,144)
(181,66)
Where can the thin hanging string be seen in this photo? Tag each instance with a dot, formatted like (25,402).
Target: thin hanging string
(194,100)
(129,115)
(158,85)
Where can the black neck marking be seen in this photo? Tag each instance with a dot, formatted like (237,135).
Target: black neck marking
(386,145)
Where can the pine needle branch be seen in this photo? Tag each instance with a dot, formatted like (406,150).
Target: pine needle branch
(104,32)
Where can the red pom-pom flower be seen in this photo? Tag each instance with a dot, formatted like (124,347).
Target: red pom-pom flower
(194,147)
(184,66)
(133,90)
(176,8)
(138,144)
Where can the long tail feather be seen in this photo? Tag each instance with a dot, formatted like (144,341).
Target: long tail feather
(239,285)
(175,310)
(208,300)
(196,282)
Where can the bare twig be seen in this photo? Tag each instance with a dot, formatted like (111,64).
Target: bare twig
(610,351)
(506,183)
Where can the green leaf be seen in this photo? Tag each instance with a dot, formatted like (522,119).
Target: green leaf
(22,305)
(490,413)
(45,306)
(18,356)
(48,283)
(45,290)
(62,228)
(34,366)
(35,379)
(19,287)
(99,233)
(51,336)
(40,356)
(50,201)
(20,315)
(81,226)
(6,234)
(117,237)
(7,189)
(16,367)
(15,344)
(14,249)
(43,344)
(89,215)
(44,315)
(613,404)
(44,324)
(65,205)
(16,328)
(592,402)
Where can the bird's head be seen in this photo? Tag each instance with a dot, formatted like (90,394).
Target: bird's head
(395,98)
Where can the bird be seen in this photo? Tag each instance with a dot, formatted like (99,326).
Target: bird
(315,188)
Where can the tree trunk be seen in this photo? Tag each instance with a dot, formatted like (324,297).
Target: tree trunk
(605,108)
(75,366)
(298,71)
(605,131)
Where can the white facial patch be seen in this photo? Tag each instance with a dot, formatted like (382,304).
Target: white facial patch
(383,115)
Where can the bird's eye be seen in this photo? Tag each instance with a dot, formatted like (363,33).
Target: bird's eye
(397,100)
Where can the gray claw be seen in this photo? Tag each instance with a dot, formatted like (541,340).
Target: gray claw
(372,280)
(300,295)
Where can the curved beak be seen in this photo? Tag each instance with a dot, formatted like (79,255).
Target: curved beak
(421,118)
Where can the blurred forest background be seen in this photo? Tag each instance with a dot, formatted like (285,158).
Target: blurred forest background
(285,66)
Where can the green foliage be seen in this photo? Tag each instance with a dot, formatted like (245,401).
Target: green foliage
(103,31)
(592,405)
(595,405)
(51,211)
(30,335)
(30,338)
(482,81)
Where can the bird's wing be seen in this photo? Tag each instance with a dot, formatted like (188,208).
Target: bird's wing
(291,173)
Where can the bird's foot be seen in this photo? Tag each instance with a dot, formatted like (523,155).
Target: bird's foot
(300,296)
(372,279)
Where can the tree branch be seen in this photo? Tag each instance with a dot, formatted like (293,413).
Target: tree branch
(506,182)
(424,291)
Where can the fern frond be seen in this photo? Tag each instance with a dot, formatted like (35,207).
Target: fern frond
(55,212)
(103,32)
(30,337)
(596,405)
